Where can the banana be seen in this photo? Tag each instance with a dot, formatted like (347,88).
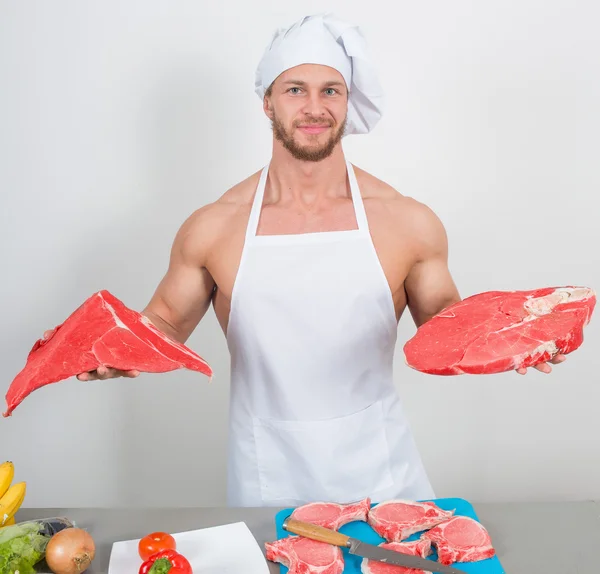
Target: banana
(11,501)
(7,473)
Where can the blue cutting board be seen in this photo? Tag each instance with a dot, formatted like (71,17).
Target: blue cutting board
(362,531)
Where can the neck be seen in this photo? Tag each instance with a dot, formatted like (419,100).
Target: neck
(305,181)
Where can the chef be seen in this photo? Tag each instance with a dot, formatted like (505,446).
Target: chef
(309,264)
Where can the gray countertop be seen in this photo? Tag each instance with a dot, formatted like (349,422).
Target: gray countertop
(530,538)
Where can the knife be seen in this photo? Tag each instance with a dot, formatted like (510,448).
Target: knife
(363,549)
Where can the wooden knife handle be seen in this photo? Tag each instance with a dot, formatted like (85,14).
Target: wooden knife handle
(315,532)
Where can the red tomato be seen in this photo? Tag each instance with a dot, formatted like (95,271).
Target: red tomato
(155,542)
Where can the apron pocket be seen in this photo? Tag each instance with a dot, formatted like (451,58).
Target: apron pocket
(340,460)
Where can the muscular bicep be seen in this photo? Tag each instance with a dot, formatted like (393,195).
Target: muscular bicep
(184,294)
(429,286)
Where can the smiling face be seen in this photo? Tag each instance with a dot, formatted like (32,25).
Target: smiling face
(308,105)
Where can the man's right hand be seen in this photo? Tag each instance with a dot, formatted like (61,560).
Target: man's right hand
(101,373)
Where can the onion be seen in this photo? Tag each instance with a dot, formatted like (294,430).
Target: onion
(70,551)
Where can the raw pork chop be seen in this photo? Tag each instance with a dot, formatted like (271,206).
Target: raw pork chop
(420,548)
(500,331)
(305,556)
(460,539)
(331,515)
(396,520)
(102,331)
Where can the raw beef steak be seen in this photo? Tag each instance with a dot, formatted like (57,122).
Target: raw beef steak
(420,548)
(500,331)
(460,539)
(102,331)
(396,520)
(305,556)
(331,515)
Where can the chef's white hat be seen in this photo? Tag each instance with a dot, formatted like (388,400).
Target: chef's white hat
(324,39)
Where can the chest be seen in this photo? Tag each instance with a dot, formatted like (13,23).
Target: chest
(386,254)
(329,216)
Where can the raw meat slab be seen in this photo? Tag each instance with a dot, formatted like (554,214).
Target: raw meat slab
(500,331)
(331,515)
(364,532)
(101,331)
(303,555)
(397,520)
(461,539)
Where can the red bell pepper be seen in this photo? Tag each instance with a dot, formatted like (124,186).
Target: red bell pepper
(166,561)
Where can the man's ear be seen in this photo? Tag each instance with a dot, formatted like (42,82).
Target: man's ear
(268,107)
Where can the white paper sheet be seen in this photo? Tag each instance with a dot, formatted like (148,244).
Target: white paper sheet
(227,549)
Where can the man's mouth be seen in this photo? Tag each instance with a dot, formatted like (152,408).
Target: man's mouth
(313,129)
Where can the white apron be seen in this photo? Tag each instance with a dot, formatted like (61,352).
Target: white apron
(314,414)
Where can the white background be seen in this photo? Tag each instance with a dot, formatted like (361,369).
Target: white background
(118,119)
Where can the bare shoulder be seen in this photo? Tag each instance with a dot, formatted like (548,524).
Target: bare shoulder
(203,228)
(400,215)
(373,188)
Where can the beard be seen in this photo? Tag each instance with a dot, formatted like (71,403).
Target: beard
(315,152)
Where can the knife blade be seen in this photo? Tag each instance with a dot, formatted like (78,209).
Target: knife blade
(398,558)
(363,549)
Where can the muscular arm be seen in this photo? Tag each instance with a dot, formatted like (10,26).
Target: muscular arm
(429,286)
(183,296)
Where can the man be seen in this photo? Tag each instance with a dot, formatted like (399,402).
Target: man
(309,264)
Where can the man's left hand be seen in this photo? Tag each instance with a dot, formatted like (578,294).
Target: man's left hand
(545,367)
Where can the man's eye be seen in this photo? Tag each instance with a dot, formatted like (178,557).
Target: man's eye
(292,90)
(331,91)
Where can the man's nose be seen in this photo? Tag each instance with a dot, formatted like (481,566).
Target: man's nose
(314,104)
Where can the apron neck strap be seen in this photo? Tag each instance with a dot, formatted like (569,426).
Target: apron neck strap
(257,203)
(359,208)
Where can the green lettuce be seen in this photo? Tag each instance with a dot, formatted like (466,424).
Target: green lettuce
(22,546)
